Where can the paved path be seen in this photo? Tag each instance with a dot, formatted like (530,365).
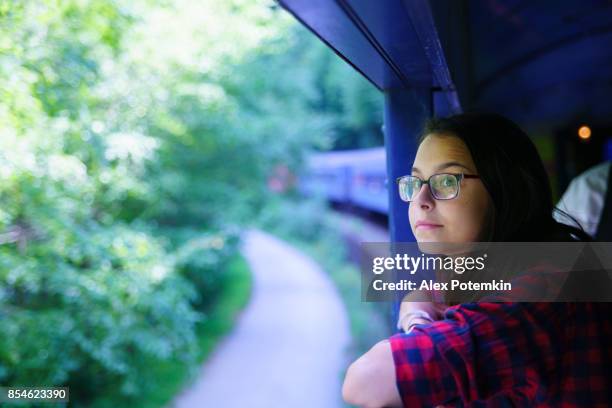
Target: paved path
(287,349)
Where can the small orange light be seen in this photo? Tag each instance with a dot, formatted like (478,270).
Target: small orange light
(584,132)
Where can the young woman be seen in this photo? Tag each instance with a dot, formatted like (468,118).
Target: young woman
(489,184)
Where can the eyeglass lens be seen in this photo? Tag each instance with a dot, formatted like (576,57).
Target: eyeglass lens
(442,187)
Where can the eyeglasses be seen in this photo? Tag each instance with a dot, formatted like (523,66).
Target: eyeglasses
(443,186)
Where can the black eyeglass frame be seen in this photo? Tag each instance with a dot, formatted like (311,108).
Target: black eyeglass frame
(458,177)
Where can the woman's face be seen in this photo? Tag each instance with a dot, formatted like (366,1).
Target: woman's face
(462,219)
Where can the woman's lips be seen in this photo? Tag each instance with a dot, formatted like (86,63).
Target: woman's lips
(427,226)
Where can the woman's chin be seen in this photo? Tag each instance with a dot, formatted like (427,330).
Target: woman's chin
(428,242)
(434,235)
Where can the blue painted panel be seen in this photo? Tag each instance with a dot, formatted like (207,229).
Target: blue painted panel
(542,61)
(556,87)
(377,38)
(389,25)
(608,150)
(405,113)
(505,34)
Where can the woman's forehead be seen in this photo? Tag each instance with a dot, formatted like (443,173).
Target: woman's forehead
(437,149)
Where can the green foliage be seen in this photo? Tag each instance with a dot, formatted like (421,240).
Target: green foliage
(135,136)
(91,307)
(299,220)
(166,378)
(203,261)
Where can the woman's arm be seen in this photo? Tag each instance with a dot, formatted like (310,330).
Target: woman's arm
(370,380)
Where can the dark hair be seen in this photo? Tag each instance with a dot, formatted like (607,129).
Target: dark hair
(513,173)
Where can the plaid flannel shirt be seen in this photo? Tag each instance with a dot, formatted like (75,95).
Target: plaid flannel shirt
(508,355)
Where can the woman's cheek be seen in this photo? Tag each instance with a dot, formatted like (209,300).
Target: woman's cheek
(411,218)
(461,220)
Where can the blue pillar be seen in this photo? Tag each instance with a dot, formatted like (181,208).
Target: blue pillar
(405,114)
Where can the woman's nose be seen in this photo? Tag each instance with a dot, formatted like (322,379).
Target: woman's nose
(424,199)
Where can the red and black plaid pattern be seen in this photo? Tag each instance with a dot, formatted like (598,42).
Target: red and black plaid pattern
(509,355)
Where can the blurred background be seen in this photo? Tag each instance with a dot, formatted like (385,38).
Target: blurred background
(138,141)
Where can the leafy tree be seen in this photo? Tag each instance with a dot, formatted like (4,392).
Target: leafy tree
(136,140)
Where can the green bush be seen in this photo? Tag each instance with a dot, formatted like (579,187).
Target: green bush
(203,261)
(297,218)
(87,312)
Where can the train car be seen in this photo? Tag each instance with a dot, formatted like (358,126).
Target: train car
(355,178)
(544,64)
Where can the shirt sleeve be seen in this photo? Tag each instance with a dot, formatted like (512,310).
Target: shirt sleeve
(479,352)
(421,373)
(584,198)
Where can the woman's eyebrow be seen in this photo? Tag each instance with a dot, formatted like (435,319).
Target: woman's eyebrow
(443,166)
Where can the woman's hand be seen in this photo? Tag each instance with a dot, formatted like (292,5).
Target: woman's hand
(418,308)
